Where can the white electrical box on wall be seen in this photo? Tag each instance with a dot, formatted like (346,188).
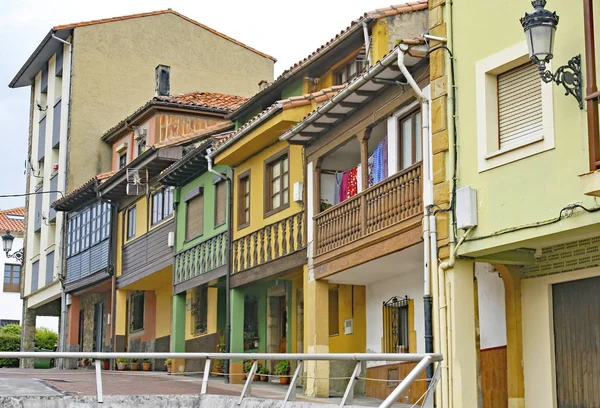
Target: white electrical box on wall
(349,326)
(298,191)
(466,208)
(171,239)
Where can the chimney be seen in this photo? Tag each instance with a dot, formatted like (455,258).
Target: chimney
(163,81)
(263,85)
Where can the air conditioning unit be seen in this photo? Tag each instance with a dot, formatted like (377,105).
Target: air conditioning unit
(349,326)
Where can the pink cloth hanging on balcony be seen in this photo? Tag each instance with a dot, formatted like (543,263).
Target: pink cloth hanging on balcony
(344,186)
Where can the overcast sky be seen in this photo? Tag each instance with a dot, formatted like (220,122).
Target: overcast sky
(289,31)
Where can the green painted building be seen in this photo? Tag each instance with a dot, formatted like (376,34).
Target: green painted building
(201,255)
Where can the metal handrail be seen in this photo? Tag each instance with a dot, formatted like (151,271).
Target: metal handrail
(423,361)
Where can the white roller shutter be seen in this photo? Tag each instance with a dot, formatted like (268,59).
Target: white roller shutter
(519,105)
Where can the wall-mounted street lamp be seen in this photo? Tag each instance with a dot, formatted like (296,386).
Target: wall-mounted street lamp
(7,242)
(540,26)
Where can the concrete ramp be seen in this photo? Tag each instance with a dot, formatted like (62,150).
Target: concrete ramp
(14,387)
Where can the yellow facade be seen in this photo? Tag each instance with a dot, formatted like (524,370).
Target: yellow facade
(351,305)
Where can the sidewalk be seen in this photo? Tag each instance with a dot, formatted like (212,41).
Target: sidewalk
(82,382)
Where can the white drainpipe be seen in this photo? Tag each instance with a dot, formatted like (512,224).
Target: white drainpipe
(429,223)
(367,42)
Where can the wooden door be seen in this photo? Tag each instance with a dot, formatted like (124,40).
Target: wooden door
(576,307)
(282,324)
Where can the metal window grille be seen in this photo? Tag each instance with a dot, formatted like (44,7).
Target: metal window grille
(395,325)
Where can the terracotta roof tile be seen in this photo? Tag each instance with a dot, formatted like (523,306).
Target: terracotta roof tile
(156,13)
(305,99)
(288,103)
(209,100)
(12,225)
(99,178)
(417,5)
(398,9)
(375,14)
(212,100)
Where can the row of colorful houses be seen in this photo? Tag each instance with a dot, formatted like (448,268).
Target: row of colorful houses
(200,231)
(408,187)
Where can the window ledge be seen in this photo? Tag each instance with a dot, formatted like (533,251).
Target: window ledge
(276,210)
(242,226)
(527,142)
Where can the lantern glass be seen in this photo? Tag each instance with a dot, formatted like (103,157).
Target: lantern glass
(540,41)
(7,242)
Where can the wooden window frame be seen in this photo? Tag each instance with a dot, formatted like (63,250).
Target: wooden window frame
(241,213)
(132,311)
(121,164)
(413,141)
(346,69)
(192,195)
(268,211)
(133,209)
(216,182)
(11,287)
(164,209)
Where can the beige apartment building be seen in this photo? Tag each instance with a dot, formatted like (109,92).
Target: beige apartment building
(84,78)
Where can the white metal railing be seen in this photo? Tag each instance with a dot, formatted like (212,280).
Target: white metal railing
(423,360)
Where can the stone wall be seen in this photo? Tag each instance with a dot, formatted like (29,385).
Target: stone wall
(88,303)
(203,344)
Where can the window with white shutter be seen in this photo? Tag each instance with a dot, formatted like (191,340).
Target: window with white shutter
(520,115)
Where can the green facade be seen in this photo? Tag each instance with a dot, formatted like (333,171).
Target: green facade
(205,180)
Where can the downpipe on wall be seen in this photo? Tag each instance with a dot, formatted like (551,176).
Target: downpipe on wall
(229,180)
(429,245)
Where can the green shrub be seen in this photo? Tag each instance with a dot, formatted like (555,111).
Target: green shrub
(9,342)
(45,339)
(11,329)
(283,368)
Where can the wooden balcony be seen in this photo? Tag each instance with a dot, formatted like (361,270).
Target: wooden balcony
(201,260)
(361,218)
(270,243)
(147,254)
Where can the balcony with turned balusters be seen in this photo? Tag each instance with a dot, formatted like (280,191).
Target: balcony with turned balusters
(390,207)
(383,205)
(283,241)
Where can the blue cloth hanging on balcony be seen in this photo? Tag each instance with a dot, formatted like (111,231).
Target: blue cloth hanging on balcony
(377,167)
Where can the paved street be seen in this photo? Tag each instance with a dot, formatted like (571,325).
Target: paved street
(82,382)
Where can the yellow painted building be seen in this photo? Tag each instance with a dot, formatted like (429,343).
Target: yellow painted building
(518,283)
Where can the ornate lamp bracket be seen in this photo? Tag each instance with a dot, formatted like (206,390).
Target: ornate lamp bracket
(17,255)
(569,76)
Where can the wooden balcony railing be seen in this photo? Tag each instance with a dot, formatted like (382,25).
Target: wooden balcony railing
(269,243)
(393,200)
(208,255)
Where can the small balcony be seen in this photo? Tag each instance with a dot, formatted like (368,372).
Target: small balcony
(281,244)
(206,260)
(147,254)
(364,218)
